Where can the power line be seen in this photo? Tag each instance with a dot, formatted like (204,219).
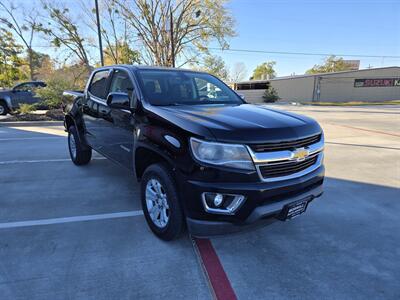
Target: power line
(303,53)
(274,52)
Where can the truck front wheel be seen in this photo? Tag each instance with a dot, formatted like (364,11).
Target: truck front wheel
(79,154)
(160,202)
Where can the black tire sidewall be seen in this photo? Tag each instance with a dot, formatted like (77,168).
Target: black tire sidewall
(2,104)
(82,156)
(175,222)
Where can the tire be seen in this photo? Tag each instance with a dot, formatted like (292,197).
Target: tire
(3,108)
(166,223)
(80,155)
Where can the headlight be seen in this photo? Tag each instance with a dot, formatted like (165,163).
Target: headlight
(227,155)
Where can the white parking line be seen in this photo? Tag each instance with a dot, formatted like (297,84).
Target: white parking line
(33,138)
(10,162)
(133,213)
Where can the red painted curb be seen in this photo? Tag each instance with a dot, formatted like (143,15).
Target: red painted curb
(219,282)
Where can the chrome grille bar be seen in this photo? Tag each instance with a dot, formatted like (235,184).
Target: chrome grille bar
(282,165)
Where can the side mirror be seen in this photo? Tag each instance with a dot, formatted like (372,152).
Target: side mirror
(242,96)
(118,100)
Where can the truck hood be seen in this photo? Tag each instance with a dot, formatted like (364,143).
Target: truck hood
(244,123)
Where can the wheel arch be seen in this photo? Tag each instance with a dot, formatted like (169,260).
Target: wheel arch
(70,121)
(7,102)
(146,156)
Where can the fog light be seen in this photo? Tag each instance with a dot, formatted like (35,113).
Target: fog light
(217,203)
(218,200)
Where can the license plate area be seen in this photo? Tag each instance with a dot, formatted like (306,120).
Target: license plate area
(293,210)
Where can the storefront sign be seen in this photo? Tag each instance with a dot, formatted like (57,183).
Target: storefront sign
(381,82)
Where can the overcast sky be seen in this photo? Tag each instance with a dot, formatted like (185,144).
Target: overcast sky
(338,27)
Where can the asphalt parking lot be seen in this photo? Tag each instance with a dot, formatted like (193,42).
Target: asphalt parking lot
(70,232)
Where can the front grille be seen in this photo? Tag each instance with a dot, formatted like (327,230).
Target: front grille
(286,145)
(280,169)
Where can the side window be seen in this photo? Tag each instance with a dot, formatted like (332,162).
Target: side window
(98,86)
(27,87)
(121,83)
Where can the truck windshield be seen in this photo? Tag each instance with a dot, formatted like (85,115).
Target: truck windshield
(168,87)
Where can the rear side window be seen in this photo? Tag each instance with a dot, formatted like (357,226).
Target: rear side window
(98,86)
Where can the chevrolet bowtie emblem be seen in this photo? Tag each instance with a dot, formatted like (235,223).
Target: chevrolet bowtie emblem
(300,154)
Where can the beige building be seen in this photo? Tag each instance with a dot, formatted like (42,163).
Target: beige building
(378,84)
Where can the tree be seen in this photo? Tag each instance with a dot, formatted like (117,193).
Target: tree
(331,64)
(10,62)
(44,66)
(62,30)
(24,29)
(216,66)
(238,72)
(195,24)
(264,70)
(270,95)
(115,31)
(122,53)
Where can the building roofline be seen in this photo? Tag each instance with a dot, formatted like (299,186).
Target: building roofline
(313,75)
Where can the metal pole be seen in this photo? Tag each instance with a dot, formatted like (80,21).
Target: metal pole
(99,32)
(172,39)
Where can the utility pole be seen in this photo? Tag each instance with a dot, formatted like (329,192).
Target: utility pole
(172,38)
(99,32)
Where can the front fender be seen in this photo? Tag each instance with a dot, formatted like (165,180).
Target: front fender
(147,153)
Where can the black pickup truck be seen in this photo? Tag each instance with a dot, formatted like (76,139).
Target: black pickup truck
(204,157)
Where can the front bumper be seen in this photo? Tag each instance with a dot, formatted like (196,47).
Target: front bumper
(260,216)
(264,202)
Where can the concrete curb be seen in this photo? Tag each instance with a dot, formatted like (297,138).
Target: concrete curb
(31,123)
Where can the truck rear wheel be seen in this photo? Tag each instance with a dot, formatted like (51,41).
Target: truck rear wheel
(160,202)
(79,154)
(3,108)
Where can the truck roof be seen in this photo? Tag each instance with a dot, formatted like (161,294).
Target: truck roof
(143,67)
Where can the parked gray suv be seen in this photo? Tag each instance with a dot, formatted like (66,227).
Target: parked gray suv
(19,94)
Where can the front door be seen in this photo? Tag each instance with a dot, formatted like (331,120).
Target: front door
(119,124)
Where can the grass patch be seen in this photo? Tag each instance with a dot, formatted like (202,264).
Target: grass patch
(26,108)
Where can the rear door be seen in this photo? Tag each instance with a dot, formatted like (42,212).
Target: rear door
(93,107)
(118,124)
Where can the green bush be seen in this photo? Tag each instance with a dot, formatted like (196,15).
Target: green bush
(26,108)
(270,95)
(52,94)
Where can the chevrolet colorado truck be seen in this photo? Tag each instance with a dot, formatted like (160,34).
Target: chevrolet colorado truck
(23,93)
(204,158)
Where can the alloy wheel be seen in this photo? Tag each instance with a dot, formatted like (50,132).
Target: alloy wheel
(157,203)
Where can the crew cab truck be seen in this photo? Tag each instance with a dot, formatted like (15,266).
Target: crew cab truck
(204,158)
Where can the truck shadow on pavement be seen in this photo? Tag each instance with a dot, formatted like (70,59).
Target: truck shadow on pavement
(346,246)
